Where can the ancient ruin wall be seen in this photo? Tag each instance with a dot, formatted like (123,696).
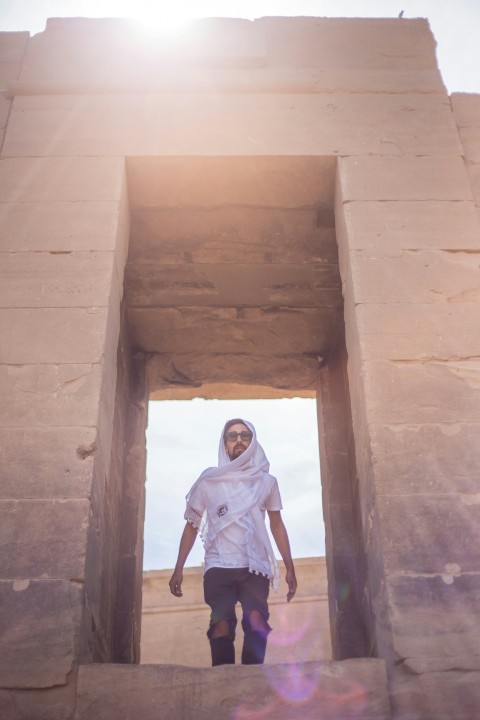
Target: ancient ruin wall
(367,96)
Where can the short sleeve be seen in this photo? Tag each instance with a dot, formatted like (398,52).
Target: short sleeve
(195,507)
(273,500)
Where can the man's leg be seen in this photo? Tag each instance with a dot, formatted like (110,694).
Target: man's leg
(219,591)
(253,597)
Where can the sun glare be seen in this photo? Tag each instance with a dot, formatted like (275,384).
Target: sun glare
(163,22)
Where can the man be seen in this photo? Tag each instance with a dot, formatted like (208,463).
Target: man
(227,505)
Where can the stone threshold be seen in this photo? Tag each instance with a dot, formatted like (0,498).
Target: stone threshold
(343,690)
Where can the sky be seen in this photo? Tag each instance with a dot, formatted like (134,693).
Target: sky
(182,437)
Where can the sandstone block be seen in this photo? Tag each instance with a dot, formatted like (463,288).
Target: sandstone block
(149,285)
(39,628)
(12,46)
(435,617)
(414,276)
(430,534)
(466,109)
(193,371)
(473,173)
(470,139)
(441,695)
(233,124)
(56,179)
(340,42)
(48,280)
(43,538)
(52,703)
(69,53)
(60,227)
(228,330)
(348,689)
(54,462)
(187,186)
(430,392)
(403,178)
(389,228)
(423,458)
(406,331)
(52,335)
(9,71)
(49,395)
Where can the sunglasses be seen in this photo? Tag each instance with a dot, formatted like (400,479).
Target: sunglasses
(233,436)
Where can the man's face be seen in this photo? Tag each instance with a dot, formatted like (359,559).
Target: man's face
(236,446)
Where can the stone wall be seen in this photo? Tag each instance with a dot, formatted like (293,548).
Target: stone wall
(309,131)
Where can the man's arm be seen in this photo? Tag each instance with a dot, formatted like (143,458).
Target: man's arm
(279,532)
(186,543)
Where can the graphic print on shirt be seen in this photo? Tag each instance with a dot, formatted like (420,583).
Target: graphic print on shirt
(221,510)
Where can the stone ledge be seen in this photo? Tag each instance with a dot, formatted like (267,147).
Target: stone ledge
(346,690)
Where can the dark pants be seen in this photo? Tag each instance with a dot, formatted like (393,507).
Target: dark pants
(223,588)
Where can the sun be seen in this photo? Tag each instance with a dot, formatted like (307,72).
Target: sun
(159,19)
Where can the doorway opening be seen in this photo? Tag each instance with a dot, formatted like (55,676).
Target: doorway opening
(182,439)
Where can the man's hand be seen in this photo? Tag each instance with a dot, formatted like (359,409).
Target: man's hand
(292,584)
(176,583)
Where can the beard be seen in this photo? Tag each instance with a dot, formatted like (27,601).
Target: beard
(237,451)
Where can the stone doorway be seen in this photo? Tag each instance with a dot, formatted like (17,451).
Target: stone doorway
(232,286)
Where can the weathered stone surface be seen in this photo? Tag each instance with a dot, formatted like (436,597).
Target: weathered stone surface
(348,689)
(49,395)
(183,369)
(56,179)
(470,139)
(403,178)
(441,695)
(232,124)
(12,46)
(9,71)
(307,54)
(389,228)
(4,110)
(60,227)
(267,331)
(226,235)
(423,458)
(411,392)
(466,109)
(52,335)
(227,285)
(54,462)
(473,173)
(414,276)
(53,703)
(435,616)
(423,532)
(403,331)
(39,626)
(190,184)
(43,538)
(50,279)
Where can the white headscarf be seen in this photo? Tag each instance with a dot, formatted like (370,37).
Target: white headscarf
(246,476)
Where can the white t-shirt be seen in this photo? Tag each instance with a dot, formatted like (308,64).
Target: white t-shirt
(229,548)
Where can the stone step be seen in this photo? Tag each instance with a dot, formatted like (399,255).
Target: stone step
(345,690)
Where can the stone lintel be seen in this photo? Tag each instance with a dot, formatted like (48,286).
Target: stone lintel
(195,375)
